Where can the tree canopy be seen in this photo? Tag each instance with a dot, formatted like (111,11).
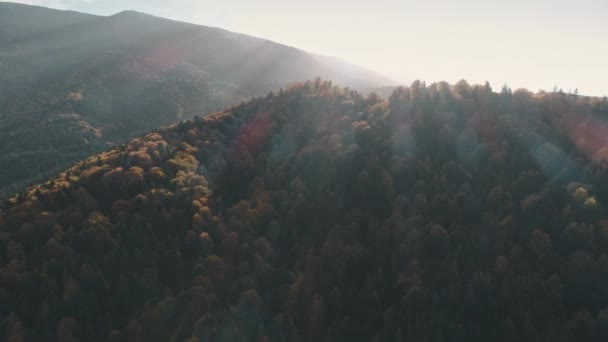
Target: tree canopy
(443,213)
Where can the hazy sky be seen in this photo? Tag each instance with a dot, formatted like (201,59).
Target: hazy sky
(525,43)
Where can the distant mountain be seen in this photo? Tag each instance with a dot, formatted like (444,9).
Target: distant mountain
(444,213)
(72,84)
(19,21)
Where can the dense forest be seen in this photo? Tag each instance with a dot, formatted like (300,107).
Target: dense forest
(443,213)
(75,84)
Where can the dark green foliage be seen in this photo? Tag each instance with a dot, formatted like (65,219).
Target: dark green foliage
(446,213)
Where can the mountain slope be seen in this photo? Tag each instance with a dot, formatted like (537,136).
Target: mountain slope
(72,84)
(19,21)
(445,213)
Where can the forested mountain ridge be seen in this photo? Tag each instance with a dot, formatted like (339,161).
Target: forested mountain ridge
(445,213)
(74,84)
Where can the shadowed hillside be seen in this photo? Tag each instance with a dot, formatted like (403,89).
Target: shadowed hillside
(445,213)
(73,84)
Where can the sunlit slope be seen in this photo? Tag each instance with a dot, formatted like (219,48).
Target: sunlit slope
(73,84)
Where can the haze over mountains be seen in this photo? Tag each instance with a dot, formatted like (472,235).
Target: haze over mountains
(295,211)
(72,84)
